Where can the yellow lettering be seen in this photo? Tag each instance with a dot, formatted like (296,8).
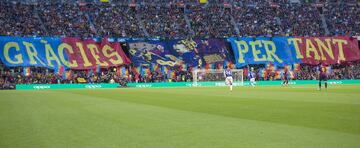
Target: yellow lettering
(50,54)
(106,49)
(256,52)
(311,48)
(95,53)
(296,42)
(340,44)
(33,55)
(243,48)
(271,52)
(18,57)
(70,50)
(83,55)
(324,47)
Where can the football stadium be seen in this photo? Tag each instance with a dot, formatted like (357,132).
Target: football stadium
(179,73)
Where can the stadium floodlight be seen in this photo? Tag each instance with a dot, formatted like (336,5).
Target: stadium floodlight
(217,76)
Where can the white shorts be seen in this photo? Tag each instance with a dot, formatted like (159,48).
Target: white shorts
(252,80)
(228,80)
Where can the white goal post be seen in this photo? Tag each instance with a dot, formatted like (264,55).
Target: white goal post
(217,77)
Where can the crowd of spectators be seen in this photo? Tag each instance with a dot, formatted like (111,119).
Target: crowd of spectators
(344,71)
(258,20)
(11,76)
(64,20)
(343,19)
(164,21)
(115,20)
(169,19)
(172,20)
(311,72)
(279,20)
(19,20)
(211,22)
(301,20)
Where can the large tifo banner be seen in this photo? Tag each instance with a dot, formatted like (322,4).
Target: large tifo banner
(176,52)
(71,53)
(290,50)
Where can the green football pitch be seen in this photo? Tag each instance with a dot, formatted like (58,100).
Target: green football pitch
(213,117)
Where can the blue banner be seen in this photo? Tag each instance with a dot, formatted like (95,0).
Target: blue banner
(282,51)
(31,51)
(68,53)
(197,52)
(263,50)
(144,53)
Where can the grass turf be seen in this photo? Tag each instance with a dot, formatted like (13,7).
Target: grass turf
(298,116)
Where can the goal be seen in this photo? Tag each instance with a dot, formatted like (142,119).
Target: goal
(215,77)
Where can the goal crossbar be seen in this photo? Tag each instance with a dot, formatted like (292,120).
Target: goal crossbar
(205,75)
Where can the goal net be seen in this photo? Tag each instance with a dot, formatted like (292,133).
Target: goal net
(215,77)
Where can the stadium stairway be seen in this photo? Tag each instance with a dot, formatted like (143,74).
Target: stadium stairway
(189,24)
(141,25)
(91,23)
(324,24)
(235,25)
(36,13)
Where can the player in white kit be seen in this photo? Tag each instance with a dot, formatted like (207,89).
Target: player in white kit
(251,77)
(228,77)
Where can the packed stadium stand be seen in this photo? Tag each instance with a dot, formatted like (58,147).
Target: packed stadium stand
(179,19)
(174,19)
